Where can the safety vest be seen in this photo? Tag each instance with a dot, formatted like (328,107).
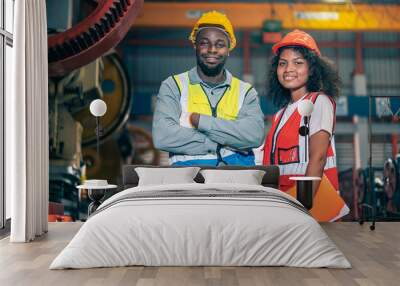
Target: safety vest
(285,147)
(194,99)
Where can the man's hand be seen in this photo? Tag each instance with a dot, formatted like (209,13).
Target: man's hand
(194,119)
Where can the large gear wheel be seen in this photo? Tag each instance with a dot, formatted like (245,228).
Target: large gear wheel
(100,31)
(144,151)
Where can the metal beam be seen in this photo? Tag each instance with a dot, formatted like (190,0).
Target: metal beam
(344,17)
(321,44)
(378,128)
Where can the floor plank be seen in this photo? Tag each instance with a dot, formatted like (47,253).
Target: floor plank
(374,255)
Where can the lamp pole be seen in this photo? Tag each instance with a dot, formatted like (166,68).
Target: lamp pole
(97,134)
(98,108)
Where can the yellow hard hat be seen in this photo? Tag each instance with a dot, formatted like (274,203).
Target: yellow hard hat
(214,19)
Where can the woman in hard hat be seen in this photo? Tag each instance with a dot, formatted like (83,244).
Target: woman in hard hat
(298,73)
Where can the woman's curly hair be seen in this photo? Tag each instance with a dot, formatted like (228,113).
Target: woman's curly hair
(323,76)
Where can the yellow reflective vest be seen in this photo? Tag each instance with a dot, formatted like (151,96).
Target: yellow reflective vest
(194,99)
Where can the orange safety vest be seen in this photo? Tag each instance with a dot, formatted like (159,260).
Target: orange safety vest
(285,148)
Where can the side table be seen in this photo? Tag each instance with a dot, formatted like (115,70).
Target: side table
(304,190)
(96,194)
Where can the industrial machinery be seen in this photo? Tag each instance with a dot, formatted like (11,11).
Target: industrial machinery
(382,201)
(72,127)
(83,67)
(391,175)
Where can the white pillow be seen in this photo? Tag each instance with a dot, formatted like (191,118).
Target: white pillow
(166,176)
(248,177)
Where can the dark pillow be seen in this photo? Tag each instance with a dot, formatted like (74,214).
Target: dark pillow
(271,178)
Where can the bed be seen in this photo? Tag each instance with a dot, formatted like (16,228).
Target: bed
(201,223)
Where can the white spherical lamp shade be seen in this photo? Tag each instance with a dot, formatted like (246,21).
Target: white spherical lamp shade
(305,107)
(98,107)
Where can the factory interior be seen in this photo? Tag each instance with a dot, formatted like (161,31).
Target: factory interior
(121,51)
(364,47)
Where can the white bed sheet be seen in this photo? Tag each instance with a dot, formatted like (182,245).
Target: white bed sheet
(200,231)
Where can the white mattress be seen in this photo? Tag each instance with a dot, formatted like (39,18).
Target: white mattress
(207,230)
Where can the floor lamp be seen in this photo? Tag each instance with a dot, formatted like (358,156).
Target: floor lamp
(304,185)
(98,108)
(97,188)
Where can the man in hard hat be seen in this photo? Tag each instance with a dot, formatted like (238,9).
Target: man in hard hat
(206,116)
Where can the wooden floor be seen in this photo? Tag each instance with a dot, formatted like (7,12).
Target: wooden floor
(374,255)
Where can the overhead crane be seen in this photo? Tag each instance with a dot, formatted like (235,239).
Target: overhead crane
(245,15)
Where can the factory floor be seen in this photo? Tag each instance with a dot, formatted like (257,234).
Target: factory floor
(374,255)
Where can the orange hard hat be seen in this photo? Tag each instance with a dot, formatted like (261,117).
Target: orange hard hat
(297,38)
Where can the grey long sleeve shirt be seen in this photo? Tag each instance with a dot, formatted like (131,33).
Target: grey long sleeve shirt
(244,133)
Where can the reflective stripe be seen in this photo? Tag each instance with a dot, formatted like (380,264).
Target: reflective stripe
(244,89)
(178,158)
(333,145)
(343,211)
(241,159)
(300,168)
(183,83)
